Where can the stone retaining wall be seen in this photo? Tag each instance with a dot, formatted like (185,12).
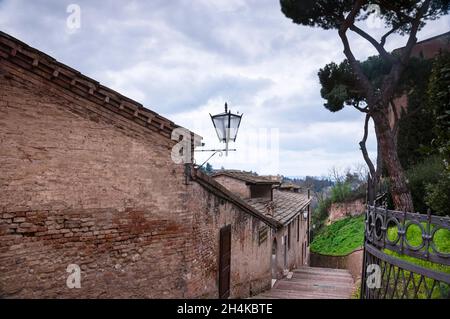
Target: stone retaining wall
(352,262)
(341,210)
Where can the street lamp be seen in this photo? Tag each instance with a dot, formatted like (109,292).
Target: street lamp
(305,214)
(227,126)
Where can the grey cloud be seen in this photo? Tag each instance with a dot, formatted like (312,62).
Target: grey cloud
(178,56)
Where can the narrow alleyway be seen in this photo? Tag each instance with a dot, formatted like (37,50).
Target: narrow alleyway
(312,283)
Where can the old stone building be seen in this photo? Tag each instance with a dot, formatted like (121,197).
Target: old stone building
(87,179)
(289,207)
(289,187)
(426,49)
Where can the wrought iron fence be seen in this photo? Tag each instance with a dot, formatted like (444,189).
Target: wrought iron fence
(387,273)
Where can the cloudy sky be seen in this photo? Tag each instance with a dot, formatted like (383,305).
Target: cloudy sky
(184,59)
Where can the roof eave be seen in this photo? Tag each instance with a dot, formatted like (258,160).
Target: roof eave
(209,183)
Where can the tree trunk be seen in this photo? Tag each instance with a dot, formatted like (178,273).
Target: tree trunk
(399,189)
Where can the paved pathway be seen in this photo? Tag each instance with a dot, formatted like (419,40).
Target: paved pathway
(312,283)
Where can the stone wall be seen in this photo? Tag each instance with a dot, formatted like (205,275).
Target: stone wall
(352,262)
(250,261)
(341,210)
(298,253)
(80,184)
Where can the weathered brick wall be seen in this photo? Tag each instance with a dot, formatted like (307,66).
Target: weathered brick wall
(234,185)
(90,189)
(353,262)
(428,50)
(297,254)
(342,210)
(82,185)
(250,262)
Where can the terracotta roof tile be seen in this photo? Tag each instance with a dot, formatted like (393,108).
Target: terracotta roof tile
(289,185)
(284,207)
(249,177)
(213,186)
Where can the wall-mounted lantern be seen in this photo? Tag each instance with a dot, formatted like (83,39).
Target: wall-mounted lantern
(227,126)
(305,214)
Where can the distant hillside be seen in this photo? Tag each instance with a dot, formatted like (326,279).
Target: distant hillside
(316,184)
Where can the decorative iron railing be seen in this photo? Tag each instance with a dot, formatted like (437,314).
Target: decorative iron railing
(402,257)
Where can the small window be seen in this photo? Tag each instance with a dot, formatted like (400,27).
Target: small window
(298,228)
(262,234)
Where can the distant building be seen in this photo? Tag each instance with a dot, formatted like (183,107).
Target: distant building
(427,49)
(430,47)
(291,211)
(291,187)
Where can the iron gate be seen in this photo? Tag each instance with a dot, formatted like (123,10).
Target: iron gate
(385,275)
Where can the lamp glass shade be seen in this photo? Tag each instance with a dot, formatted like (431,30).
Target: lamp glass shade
(235,120)
(219,122)
(226,125)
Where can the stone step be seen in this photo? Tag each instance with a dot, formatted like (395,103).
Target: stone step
(293,294)
(323,290)
(300,277)
(320,269)
(331,271)
(312,283)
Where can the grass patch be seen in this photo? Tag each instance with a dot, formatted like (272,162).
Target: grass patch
(340,238)
(442,243)
(414,237)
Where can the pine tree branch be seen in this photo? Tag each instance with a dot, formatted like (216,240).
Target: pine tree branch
(390,81)
(378,46)
(387,34)
(345,24)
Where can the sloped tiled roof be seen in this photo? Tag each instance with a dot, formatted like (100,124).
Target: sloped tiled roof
(213,186)
(249,177)
(284,207)
(289,185)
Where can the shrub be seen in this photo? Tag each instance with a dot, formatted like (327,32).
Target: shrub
(321,213)
(340,192)
(428,172)
(438,195)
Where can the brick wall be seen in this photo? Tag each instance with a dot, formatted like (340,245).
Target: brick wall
(342,210)
(80,184)
(250,261)
(427,49)
(353,262)
(298,253)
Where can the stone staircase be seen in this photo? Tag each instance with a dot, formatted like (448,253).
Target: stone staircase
(312,283)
